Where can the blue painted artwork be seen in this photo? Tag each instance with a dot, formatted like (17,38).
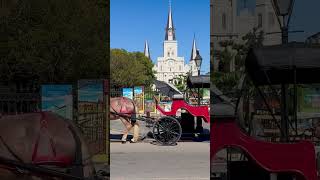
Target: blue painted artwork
(57,99)
(127,92)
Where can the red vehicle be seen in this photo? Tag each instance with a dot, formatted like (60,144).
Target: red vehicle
(179,103)
(274,72)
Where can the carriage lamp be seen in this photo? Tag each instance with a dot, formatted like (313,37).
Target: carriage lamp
(283,8)
(198,61)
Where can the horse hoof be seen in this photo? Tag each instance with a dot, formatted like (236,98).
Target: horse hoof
(131,141)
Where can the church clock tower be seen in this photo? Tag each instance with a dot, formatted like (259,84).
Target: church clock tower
(170,65)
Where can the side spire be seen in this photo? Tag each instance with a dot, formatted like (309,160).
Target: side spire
(146,50)
(170,31)
(194,49)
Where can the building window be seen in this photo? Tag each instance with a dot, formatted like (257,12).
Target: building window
(224,21)
(180,68)
(259,20)
(271,19)
(168,54)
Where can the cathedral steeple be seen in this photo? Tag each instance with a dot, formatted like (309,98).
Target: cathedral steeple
(170,31)
(146,50)
(194,49)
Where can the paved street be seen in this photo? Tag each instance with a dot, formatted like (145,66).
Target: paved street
(145,161)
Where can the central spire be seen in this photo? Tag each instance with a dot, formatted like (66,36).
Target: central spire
(194,49)
(170,31)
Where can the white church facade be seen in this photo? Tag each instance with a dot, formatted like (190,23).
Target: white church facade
(229,22)
(170,65)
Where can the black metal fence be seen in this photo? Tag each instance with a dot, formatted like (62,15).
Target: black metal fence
(17,99)
(117,92)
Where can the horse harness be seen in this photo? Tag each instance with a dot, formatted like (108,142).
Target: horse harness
(36,159)
(123,113)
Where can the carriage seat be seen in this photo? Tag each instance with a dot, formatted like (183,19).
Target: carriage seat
(178,96)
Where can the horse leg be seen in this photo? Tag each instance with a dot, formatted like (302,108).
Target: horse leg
(126,130)
(135,132)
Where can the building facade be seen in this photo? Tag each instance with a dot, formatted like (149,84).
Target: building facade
(231,20)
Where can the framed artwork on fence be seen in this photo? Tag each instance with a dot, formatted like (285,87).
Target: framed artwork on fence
(57,98)
(139,98)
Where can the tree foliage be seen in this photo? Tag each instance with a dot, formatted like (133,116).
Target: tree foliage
(55,41)
(225,79)
(130,68)
(181,82)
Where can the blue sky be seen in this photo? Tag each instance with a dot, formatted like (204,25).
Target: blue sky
(305,16)
(134,21)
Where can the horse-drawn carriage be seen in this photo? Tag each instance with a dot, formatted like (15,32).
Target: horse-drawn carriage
(272,73)
(166,129)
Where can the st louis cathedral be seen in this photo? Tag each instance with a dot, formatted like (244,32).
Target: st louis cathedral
(170,66)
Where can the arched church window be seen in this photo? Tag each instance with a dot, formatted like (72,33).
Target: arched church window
(180,68)
(172,53)
(271,19)
(224,21)
(259,20)
(168,54)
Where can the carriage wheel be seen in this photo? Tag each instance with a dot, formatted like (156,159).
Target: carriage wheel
(167,130)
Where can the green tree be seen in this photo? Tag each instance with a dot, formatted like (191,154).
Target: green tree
(181,82)
(130,68)
(225,79)
(54,41)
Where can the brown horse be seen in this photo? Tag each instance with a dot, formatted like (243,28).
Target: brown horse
(124,109)
(44,139)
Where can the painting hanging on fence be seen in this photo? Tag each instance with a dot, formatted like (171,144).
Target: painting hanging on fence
(150,105)
(57,99)
(309,98)
(92,113)
(127,92)
(139,98)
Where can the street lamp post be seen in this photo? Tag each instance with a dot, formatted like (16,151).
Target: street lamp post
(198,62)
(283,9)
